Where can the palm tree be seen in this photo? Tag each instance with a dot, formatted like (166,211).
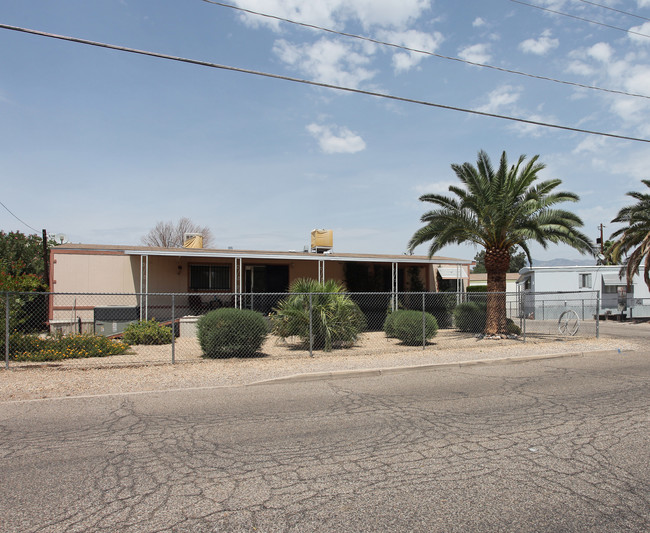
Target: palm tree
(500,210)
(635,237)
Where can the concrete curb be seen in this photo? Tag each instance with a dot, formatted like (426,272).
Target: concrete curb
(370,372)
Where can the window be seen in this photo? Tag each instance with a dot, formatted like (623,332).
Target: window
(615,289)
(210,277)
(585,281)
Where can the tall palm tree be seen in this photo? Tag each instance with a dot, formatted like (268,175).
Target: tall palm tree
(500,210)
(635,237)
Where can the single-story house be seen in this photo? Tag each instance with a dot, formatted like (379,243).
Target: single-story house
(616,297)
(480,280)
(204,278)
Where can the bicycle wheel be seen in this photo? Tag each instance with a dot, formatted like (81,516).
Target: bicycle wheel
(569,322)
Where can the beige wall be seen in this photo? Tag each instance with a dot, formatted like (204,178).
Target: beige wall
(89,273)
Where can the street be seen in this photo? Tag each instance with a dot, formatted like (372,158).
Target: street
(551,445)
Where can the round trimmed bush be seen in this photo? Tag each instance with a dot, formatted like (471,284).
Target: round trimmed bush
(147,332)
(470,317)
(229,332)
(388,324)
(406,326)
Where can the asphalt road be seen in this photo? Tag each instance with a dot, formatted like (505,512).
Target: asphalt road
(555,445)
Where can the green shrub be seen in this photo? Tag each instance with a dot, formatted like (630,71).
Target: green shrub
(335,318)
(470,317)
(26,347)
(388,324)
(229,332)
(147,332)
(407,326)
(512,328)
(477,288)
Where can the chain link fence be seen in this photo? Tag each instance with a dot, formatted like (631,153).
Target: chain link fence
(147,328)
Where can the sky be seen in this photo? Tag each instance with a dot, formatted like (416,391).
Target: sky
(100,145)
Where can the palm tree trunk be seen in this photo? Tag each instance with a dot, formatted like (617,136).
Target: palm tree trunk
(497,262)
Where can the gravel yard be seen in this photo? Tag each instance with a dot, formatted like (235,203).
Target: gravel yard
(149,368)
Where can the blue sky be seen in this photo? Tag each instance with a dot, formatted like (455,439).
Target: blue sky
(100,144)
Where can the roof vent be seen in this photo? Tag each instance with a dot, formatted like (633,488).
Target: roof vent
(322,240)
(193,240)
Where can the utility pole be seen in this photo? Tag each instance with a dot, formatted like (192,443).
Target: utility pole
(46,260)
(601,241)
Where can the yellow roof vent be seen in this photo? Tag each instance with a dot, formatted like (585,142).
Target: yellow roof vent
(193,240)
(322,240)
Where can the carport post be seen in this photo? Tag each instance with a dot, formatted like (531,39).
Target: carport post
(173,331)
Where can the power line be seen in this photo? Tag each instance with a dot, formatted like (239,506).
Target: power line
(18,219)
(613,9)
(425,52)
(315,83)
(580,18)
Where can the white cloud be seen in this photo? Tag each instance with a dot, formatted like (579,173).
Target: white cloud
(639,39)
(601,52)
(326,61)
(590,144)
(539,46)
(336,140)
(436,187)
(477,53)
(336,13)
(428,42)
(478,22)
(504,96)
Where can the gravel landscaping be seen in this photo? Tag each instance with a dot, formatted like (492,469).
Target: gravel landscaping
(149,368)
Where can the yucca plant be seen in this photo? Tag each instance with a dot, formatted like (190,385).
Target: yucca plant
(335,318)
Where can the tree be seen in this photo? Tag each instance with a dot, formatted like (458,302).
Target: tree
(634,238)
(517,262)
(499,210)
(22,254)
(22,271)
(171,235)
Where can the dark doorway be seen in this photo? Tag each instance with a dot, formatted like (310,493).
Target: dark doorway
(272,280)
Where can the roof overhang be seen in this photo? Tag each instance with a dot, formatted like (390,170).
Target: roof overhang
(453,272)
(296,256)
(613,280)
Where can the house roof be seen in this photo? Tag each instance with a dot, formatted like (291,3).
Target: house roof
(257,254)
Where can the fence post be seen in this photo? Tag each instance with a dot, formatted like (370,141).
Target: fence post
(311,335)
(424,337)
(525,320)
(542,309)
(173,330)
(7,330)
(598,315)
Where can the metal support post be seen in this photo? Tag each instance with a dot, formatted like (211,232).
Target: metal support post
(7,330)
(321,271)
(394,285)
(238,282)
(424,326)
(311,335)
(598,315)
(173,330)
